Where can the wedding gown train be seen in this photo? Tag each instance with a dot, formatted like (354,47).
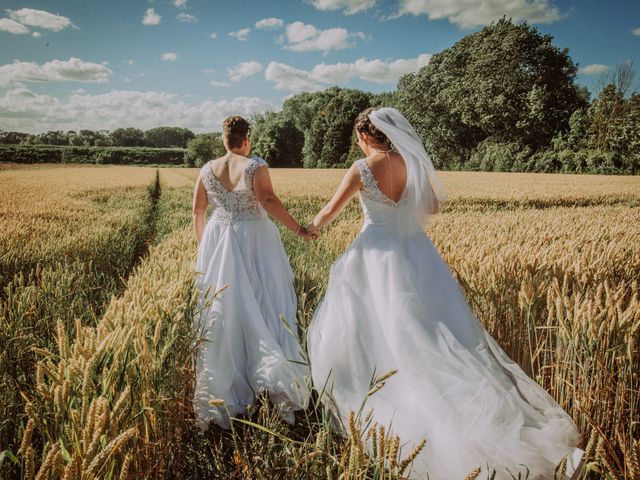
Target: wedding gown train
(247,348)
(392,303)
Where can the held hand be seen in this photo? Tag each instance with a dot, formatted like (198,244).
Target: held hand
(313,230)
(306,234)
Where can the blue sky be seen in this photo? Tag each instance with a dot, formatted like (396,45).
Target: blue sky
(107,64)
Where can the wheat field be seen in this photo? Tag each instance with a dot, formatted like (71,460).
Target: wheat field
(97,304)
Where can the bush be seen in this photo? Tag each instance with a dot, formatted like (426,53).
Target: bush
(202,148)
(496,156)
(97,155)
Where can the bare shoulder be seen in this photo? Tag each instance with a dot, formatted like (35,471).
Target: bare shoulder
(216,164)
(352,176)
(376,159)
(354,170)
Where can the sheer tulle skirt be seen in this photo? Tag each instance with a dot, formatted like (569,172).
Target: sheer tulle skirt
(246,346)
(393,304)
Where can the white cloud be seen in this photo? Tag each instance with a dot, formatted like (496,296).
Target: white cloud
(289,78)
(180,3)
(302,37)
(476,13)
(36,34)
(77,70)
(151,17)
(636,31)
(349,6)
(11,26)
(169,56)
(241,35)
(16,72)
(40,19)
(73,69)
(215,83)
(299,32)
(185,17)
(208,71)
(24,110)
(243,70)
(214,35)
(594,69)
(375,71)
(269,23)
(129,62)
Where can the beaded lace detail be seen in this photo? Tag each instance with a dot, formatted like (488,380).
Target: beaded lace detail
(240,204)
(371,189)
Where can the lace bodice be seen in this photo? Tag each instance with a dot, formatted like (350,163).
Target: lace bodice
(238,204)
(371,189)
(379,209)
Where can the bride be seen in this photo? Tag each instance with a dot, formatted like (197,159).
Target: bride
(394,305)
(247,347)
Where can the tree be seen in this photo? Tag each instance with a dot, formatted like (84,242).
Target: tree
(608,110)
(204,147)
(168,137)
(276,139)
(328,139)
(506,81)
(128,137)
(13,138)
(384,99)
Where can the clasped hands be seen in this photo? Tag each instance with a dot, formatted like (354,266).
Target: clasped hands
(308,232)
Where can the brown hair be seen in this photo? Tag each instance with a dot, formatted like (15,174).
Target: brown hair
(234,130)
(364,125)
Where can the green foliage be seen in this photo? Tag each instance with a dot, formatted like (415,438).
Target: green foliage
(98,155)
(277,139)
(506,81)
(159,137)
(168,137)
(328,140)
(128,137)
(496,156)
(202,148)
(13,138)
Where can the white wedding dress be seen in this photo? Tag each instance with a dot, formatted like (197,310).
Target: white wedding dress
(247,348)
(392,303)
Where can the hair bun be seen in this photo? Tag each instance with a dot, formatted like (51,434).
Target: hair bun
(234,130)
(365,125)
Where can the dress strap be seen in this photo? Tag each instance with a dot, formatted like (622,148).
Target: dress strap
(207,176)
(366,176)
(249,171)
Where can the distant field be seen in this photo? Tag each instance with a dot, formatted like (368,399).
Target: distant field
(550,264)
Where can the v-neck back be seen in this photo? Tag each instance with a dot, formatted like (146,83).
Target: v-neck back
(372,187)
(241,181)
(238,204)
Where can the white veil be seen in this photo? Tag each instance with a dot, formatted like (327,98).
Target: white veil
(422,183)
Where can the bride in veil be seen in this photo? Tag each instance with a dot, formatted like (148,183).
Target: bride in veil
(393,304)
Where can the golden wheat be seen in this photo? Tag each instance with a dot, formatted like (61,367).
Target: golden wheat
(549,263)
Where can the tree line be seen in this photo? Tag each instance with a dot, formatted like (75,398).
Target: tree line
(159,137)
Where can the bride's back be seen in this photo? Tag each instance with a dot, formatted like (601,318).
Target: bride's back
(389,172)
(229,170)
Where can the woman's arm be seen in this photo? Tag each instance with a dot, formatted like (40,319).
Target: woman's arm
(199,208)
(349,186)
(434,204)
(263,189)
